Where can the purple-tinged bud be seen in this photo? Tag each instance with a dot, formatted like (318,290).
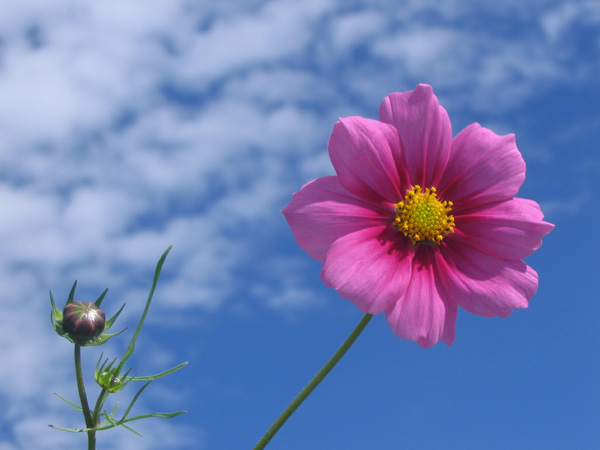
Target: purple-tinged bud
(84,321)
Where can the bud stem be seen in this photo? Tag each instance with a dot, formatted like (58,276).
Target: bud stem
(87,415)
(285,415)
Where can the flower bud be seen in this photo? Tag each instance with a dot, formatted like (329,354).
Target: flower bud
(110,382)
(84,321)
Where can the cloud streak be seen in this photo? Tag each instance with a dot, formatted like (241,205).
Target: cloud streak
(125,128)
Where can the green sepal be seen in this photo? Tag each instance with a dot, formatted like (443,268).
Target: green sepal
(110,321)
(72,294)
(56,317)
(108,378)
(102,339)
(99,300)
(100,368)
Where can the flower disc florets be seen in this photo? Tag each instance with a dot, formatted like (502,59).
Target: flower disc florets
(423,217)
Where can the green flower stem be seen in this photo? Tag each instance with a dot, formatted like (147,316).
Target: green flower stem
(89,422)
(285,415)
(101,399)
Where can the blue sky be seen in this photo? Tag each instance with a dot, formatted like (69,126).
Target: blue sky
(129,126)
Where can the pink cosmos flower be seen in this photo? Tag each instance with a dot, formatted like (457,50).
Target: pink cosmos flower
(416,223)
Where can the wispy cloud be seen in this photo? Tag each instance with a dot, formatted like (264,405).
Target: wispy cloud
(125,128)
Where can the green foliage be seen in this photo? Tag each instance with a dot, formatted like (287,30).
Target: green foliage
(108,375)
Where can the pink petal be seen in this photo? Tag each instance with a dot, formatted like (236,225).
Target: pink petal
(483,168)
(421,314)
(425,132)
(485,285)
(323,211)
(370,267)
(508,230)
(366,155)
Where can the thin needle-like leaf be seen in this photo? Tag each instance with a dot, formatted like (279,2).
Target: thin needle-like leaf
(131,429)
(72,430)
(135,399)
(158,375)
(77,407)
(131,346)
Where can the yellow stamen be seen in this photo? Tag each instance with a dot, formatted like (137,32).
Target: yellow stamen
(422,217)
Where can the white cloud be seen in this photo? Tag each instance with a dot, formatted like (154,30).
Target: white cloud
(567,206)
(277,30)
(442,53)
(355,29)
(282,85)
(126,127)
(77,79)
(282,286)
(557,21)
(497,71)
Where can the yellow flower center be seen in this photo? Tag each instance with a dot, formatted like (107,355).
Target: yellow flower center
(422,217)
